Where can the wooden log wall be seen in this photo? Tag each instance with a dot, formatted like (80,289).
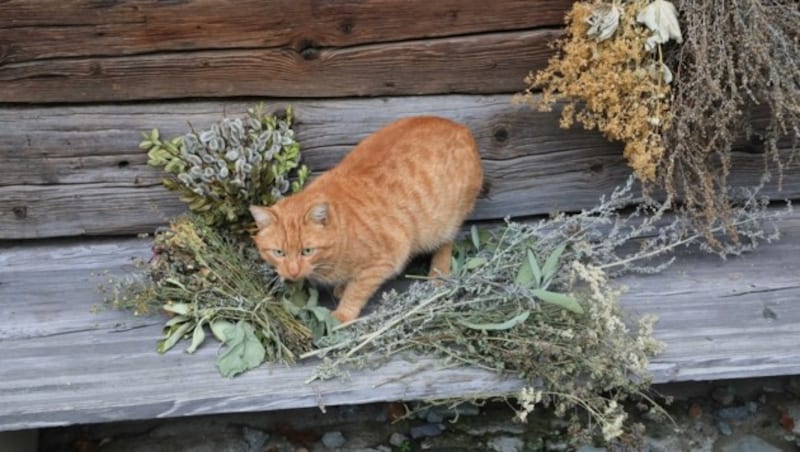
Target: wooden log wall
(79,79)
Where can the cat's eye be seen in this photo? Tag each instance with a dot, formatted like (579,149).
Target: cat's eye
(279,253)
(307,251)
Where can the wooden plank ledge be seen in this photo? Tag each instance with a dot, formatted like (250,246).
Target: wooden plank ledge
(63,364)
(78,171)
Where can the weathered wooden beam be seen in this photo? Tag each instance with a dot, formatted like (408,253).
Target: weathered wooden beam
(85,28)
(63,364)
(77,170)
(485,63)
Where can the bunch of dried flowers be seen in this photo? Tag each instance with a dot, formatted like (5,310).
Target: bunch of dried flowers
(611,74)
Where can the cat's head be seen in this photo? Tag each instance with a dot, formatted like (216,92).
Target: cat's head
(295,237)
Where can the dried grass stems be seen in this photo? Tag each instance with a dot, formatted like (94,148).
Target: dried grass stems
(489,314)
(731,58)
(738,56)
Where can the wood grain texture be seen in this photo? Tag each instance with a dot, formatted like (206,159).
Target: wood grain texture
(64,365)
(485,63)
(49,29)
(77,170)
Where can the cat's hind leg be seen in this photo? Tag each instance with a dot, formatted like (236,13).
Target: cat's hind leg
(440,262)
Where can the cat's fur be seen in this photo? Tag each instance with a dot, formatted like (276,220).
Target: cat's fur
(402,191)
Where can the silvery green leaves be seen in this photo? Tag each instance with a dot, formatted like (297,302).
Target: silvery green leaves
(603,21)
(661,18)
(221,171)
(537,279)
(243,350)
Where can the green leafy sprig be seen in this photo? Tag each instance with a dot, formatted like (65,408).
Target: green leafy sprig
(221,171)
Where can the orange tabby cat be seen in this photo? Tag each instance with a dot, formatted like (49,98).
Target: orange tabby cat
(402,191)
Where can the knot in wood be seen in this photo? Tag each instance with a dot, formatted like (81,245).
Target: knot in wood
(500,134)
(20,212)
(309,50)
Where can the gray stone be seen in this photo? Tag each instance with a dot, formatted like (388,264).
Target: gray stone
(724,395)
(734,413)
(752,407)
(749,443)
(434,417)
(488,429)
(333,440)
(397,439)
(557,445)
(506,444)
(255,438)
(666,444)
(466,409)
(724,428)
(591,449)
(426,431)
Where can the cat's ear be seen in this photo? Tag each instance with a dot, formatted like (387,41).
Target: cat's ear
(318,213)
(263,216)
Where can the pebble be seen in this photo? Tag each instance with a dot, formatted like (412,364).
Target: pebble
(752,407)
(255,438)
(434,417)
(333,440)
(505,444)
(749,443)
(438,414)
(591,449)
(425,431)
(397,439)
(772,387)
(557,445)
(724,395)
(724,428)
(734,413)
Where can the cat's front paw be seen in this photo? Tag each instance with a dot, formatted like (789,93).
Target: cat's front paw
(344,316)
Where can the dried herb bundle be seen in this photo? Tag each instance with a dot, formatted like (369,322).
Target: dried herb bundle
(614,71)
(739,56)
(535,300)
(209,280)
(205,271)
(610,73)
(221,171)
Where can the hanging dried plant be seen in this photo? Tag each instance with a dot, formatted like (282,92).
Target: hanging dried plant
(611,76)
(738,56)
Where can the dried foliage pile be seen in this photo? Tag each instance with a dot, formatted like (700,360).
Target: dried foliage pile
(533,300)
(614,72)
(610,73)
(536,301)
(739,57)
(204,271)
